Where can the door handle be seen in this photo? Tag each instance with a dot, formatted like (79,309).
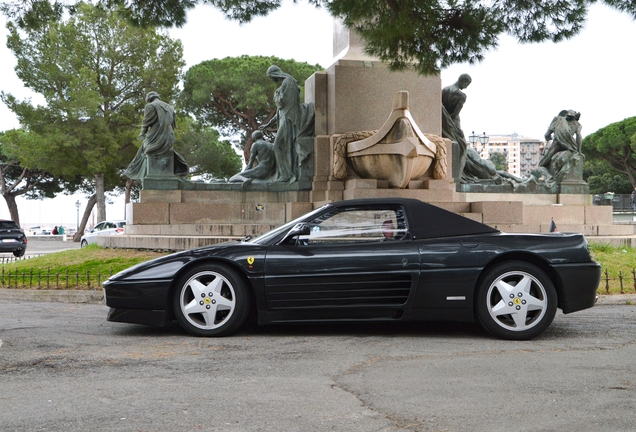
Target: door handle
(469,244)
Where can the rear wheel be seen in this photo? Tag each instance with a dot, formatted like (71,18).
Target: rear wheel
(211,300)
(516,300)
(19,253)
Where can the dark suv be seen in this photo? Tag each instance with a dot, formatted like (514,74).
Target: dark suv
(12,238)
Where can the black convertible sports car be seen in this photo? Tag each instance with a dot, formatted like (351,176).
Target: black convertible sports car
(365,260)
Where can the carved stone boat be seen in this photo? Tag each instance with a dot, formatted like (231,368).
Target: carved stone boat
(399,152)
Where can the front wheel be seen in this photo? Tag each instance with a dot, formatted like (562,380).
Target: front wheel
(211,300)
(516,300)
(84,243)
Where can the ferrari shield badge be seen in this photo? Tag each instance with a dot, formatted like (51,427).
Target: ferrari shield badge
(250,260)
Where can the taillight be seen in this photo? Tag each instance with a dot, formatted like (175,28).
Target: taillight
(119,230)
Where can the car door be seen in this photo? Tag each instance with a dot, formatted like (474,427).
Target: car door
(356,263)
(109,229)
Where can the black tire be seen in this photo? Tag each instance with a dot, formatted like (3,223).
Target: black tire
(84,243)
(516,300)
(19,253)
(211,300)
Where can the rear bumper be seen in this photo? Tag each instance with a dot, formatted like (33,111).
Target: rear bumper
(12,246)
(579,285)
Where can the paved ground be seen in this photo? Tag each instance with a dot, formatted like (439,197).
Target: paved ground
(64,368)
(37,247)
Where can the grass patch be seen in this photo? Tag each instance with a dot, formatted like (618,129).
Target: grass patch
(72,269)
(616,261)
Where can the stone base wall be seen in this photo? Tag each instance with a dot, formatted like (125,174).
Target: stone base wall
(183,219)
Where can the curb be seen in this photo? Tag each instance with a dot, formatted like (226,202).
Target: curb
(617,299)
(97,297)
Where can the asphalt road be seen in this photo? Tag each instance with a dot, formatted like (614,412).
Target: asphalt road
(63,367)
(38,247)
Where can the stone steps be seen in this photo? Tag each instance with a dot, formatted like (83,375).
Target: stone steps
(172,243)
(205,230)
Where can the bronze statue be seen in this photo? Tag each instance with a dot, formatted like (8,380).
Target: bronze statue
(262,154)
(453,98)
(472,168)
(294,120)
(156,157)
(564,133)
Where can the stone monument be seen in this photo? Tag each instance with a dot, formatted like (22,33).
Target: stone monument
(562,163)
(293,143)
(262,164)
(156,159)
(399,157)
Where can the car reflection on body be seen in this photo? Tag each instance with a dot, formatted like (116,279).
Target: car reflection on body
(12,238)
(365,260)
(102,228)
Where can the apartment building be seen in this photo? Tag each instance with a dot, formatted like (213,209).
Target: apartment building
(522,153)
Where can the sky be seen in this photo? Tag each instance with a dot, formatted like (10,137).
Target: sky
(518,88)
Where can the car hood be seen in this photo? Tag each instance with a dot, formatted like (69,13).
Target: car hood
(168,266)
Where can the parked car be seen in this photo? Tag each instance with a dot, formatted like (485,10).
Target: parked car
(102,228)
(365,260)
(12,238)
(39,230)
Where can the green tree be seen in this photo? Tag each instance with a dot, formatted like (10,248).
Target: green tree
(93,70)
(207,154)
(500,160)
(602,178)
(431,33)
(615,144)
(16,180)
(235,95)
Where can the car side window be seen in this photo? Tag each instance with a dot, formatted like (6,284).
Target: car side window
(357,225)
(99,226)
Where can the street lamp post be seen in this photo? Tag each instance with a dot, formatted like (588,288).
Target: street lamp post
(473,139)
(483,140)
(77,205)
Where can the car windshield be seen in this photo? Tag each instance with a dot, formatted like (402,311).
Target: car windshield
(268,236)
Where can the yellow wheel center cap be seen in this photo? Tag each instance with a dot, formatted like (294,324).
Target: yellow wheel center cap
(207,301)
(516,301)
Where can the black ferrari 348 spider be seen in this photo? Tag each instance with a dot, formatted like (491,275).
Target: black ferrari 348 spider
(365,260)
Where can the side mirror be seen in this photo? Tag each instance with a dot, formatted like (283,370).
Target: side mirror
(297,230)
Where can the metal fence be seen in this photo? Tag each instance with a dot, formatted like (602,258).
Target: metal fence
(625,282)
(8,259)
(620,202)
(55,279)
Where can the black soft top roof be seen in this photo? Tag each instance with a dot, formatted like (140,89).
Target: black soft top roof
(426,220)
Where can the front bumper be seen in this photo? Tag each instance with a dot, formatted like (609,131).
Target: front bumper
(138,316)
(138,302)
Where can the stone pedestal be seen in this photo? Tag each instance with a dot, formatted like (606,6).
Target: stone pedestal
(160,173)
(160,166)
(573,182)
(356,93)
